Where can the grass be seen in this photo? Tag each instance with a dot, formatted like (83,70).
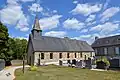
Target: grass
(52,72)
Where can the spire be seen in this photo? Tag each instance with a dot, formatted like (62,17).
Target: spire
(36,24)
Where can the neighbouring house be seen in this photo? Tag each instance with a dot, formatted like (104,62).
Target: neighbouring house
(109,47)
(52,50)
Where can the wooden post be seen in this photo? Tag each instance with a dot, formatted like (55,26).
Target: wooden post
(23,64)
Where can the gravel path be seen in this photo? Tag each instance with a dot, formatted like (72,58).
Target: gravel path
(8,74)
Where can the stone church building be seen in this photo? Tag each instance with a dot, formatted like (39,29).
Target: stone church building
(43,50)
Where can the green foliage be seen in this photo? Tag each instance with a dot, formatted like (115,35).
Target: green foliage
(104,59)
(19,47)
(4,47)
(11,48)
(33,68)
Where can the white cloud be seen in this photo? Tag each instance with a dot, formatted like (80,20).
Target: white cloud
(105,28)
(15,2)
(91,23)
(86,9)
(12,2)
(75,2)
(109,13)
(56,33)
(84,31)
(88,38)
(12,15)
(90,18)
(106,4)
(54,11)
(27,0)
(35,8)
(50,22)
(73,24)
(23,24)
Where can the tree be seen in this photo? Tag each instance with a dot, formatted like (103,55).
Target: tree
(3,37)
(18,46)
(5,52)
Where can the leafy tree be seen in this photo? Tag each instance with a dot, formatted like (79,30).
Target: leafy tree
(5,52)
(18,46)
(3,37)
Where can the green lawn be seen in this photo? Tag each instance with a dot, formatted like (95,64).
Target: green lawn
(65,73)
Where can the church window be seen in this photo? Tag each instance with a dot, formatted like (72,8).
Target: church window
(42,55)
(60,55)
(81,54)
(51,55)
(75,55)
(68,55)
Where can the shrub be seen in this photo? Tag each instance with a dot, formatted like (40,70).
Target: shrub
(104,59)
(33,68)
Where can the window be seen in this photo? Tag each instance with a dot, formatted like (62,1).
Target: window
(51,55)
(75,55)
(81,54)
(68,55)
(105,51)
(117,50)
(60,55)
(42,55)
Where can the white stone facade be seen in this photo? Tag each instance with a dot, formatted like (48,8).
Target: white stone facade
(56,58)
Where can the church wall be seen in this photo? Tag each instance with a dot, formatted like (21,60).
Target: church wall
(30,53)
(56,58)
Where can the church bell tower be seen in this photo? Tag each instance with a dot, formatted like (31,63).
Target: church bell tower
(36,31)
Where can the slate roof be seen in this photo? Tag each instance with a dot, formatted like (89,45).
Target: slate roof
(107,41)
(46,43)
(36,24)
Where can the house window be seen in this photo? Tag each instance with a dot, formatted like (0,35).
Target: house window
(105,51)
(42,55)
(81,54)
(117,50)
(51,55)
(75,55)
(68,55)
(60,55)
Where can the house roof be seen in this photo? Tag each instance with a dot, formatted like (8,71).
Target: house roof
(46,43)
(107,41)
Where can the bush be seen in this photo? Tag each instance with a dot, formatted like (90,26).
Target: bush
(102,63)
(33,68)
(103,59)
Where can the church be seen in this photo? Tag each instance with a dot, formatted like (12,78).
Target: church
(44,50)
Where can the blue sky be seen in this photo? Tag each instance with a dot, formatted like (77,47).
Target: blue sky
(76,19)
